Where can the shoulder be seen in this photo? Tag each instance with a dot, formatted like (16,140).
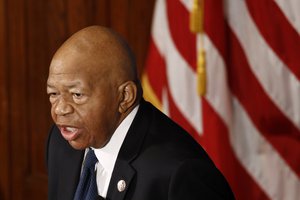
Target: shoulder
(165,145)
(171,155)
(167,137)
(198,179)
(56,142)
(57,147)
(54,139)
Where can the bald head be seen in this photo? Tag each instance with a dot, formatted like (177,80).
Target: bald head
(104,49)
(93,86)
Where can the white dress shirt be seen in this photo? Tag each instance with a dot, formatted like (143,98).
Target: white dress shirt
(108,154)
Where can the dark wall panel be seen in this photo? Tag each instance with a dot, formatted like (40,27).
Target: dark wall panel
(4,137)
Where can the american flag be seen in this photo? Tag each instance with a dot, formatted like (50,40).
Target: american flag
(249,118)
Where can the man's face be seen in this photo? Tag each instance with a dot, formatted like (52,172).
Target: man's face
(84,101)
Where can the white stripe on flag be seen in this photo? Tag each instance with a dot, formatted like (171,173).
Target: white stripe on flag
(291,10)
(261,160)
(182,80)
(218,92)
(187,4)
(276,79)
(255,153)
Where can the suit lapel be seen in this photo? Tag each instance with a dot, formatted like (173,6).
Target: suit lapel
(136,133)
(120,181)
(123,171)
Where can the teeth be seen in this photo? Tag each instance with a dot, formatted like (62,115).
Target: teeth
(71,129)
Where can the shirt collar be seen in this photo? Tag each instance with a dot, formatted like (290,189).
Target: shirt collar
(108,154)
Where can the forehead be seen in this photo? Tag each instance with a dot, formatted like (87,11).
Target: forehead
(69,72)
(69,80)
(63,75)
(68,60)
(77,65)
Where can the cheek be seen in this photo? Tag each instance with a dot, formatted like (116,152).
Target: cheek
(98,120)
(53,114)
(95,119)
(99,114)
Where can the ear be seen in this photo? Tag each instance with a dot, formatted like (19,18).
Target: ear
(128,93)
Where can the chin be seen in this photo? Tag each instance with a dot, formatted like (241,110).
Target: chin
(77,145)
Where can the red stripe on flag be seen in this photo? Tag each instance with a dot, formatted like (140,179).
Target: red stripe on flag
(183,38)
(177,116)
(277,31)
(216,141)
(270,121)
(214,24)
(156,70)
(278,130)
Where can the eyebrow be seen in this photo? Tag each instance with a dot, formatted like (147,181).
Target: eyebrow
(69,86)
(49,86)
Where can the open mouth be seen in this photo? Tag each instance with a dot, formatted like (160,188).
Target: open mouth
(69,132)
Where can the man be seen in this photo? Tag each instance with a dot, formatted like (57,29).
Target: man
(97,107)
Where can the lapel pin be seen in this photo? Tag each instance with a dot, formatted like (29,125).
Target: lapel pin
(121,185)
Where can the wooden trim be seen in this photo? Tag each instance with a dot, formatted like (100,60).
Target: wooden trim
(5,181)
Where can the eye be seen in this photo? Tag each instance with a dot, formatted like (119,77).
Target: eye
(77,95)
(79,98)
(52,94)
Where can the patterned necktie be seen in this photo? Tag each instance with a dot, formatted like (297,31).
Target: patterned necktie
(87,187)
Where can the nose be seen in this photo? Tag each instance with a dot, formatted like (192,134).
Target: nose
(63,108)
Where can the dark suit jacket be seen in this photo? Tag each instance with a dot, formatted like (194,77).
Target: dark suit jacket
(158,161)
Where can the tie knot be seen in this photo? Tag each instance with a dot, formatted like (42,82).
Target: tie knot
(90,159)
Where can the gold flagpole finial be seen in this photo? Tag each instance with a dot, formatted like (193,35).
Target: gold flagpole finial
(197,27)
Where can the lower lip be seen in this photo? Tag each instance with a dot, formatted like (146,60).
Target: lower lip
(68,135)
